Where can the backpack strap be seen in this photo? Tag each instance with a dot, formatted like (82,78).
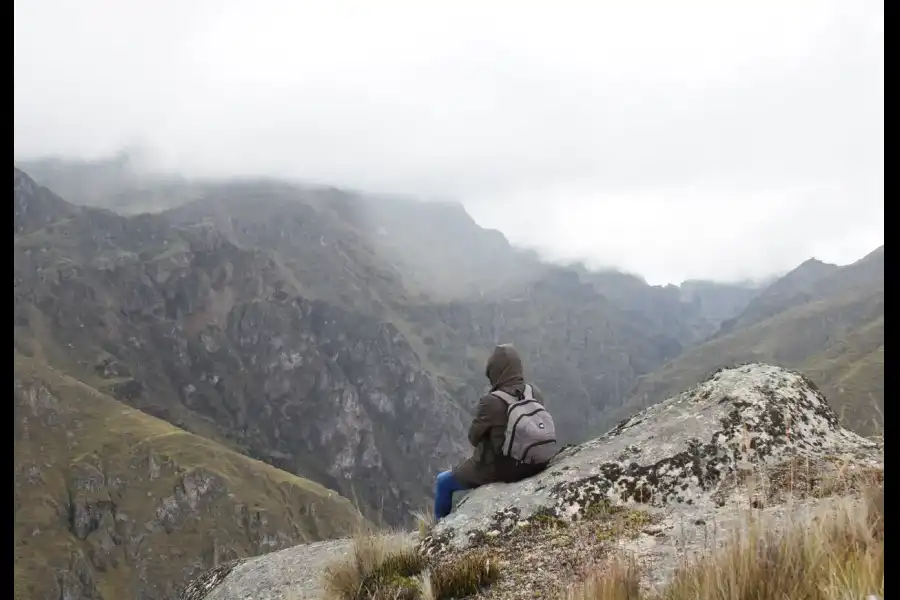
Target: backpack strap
(510,399)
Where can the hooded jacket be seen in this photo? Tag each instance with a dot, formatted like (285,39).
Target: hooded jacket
(488,429)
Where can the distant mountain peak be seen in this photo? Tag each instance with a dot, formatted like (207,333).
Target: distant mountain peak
(876,254)
(35,207)
(812,261)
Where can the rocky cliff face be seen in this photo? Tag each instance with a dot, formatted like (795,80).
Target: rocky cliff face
(586,340)
(34,206)
(185,325)
(661,486)
(584,350)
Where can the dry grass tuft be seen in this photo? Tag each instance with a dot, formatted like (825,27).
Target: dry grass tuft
(379,564)
(622,581)
(425,522)
(838,555)
(384,566)
(464,576)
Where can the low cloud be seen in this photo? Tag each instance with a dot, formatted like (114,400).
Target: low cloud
(676,140)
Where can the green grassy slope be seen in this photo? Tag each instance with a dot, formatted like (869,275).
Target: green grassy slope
(111,503)
(837,341)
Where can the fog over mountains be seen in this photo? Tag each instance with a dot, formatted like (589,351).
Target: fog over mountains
(340,339)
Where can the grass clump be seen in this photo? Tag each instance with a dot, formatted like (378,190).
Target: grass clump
(464,576)
(602,509)
(836,556)
(425,522)
(547,519)
(378,564)
(620,582)
(383,566)
(622,523)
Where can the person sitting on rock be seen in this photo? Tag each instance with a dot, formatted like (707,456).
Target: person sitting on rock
(513,434)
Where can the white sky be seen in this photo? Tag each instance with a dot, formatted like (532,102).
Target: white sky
(690,139)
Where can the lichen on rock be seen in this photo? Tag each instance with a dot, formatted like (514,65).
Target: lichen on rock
(676,454)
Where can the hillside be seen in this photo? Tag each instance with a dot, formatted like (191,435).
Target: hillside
(830,325)
(792,289)
(183,324)
(111,503)
(34,206)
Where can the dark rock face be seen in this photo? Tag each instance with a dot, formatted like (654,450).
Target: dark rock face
(583,351)
(302,379)
(201,587)
(35,207)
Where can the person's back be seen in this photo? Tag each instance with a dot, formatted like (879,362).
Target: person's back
(506,449)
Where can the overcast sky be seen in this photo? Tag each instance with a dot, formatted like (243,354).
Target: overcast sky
(689,139)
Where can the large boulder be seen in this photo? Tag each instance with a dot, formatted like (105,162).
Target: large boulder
(681,455)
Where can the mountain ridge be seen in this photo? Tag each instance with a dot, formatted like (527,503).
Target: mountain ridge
(831,326)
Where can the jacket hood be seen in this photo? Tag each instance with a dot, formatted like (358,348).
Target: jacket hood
(504,367)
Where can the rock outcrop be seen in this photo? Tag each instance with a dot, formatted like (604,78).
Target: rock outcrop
(744,441)
(290,574)
(681,455)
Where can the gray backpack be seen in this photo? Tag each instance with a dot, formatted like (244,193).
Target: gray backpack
(530,433)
